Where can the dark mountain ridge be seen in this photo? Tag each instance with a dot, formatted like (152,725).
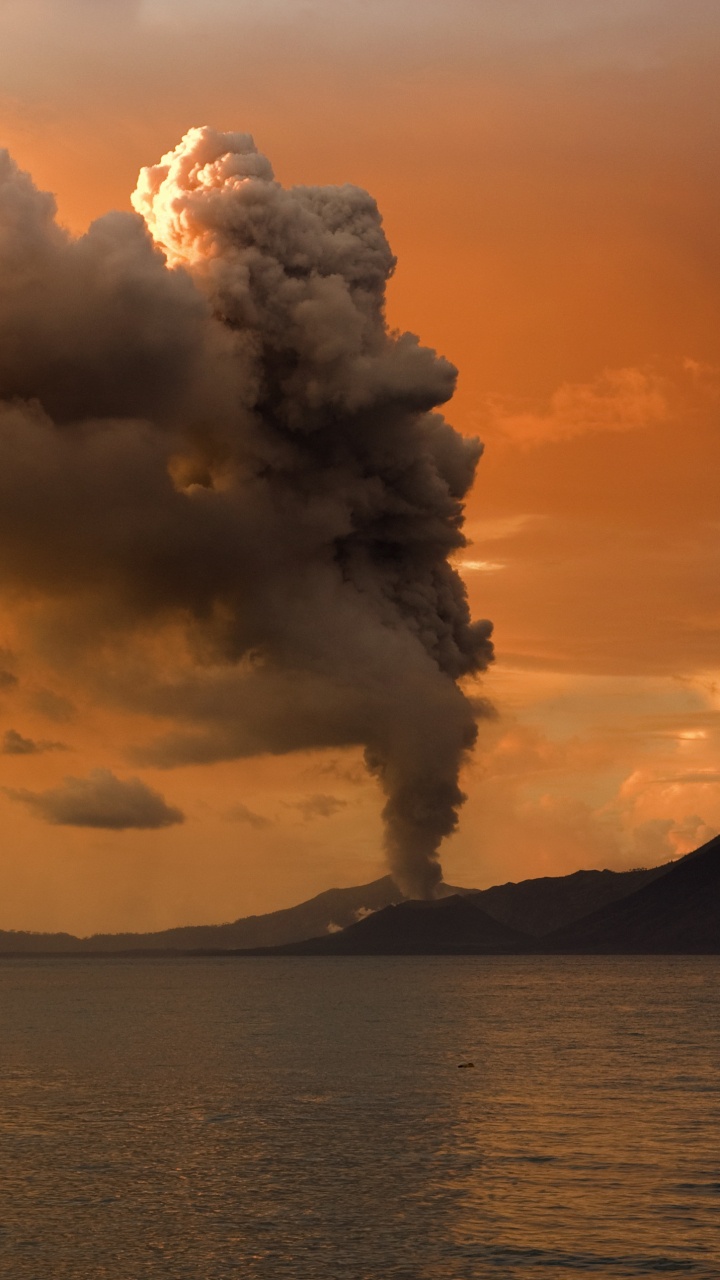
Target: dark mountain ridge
(455,925)
(547,903)
(543,908)
(335,908)
(677,913)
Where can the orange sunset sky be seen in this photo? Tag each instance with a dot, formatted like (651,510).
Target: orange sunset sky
(547,171)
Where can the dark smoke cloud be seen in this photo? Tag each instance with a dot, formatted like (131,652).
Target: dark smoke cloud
(211,426)
(100,800)
(14,744)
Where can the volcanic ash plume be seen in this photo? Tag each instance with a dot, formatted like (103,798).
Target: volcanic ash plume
(221,429)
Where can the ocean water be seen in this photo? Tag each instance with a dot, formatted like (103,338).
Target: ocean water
(305,1119)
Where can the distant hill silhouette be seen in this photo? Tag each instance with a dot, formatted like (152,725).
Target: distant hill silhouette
(334,908)
(677,912)
(552,908)
(447,926)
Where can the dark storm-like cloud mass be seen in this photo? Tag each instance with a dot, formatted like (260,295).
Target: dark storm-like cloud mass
(100,800)
(206,422)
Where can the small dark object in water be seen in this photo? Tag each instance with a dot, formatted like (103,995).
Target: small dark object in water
(461,1065)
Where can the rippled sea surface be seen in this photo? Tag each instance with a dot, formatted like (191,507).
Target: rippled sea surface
(306,1118)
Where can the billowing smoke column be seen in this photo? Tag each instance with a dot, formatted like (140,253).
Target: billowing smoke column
(218,429)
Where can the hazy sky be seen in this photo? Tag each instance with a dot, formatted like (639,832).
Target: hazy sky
(547,173)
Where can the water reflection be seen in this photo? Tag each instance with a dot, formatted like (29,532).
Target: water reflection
(307,1118)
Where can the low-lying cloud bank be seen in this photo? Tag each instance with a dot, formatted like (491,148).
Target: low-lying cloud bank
(14,744)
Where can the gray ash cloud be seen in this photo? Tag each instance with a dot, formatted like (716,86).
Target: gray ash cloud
(206,422)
